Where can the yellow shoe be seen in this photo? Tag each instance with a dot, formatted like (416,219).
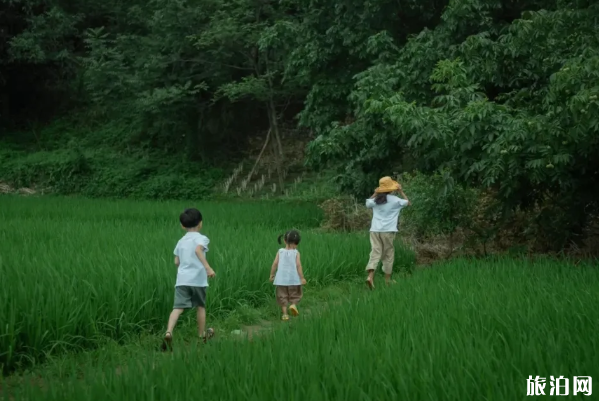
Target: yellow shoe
(293,310)
(285,318)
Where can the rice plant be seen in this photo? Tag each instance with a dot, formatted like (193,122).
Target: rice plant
(466,331)
(76,271)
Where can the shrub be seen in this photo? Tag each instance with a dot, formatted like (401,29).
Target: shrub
(105,173)
(439,205)
(345,214)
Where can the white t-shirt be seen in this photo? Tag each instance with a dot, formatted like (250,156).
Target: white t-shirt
(385,217)
(287,269)
(191,271)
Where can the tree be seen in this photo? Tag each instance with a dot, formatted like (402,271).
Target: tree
(516,117)
(241,32)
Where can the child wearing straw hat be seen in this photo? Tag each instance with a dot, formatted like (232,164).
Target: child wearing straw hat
(386,208)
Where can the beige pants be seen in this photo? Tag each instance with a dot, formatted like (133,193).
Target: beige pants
(382,249)
(289,294)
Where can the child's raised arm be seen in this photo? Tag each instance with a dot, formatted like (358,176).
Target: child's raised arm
(274,267)
(300,271)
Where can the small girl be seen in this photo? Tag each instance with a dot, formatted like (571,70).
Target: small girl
(290,277)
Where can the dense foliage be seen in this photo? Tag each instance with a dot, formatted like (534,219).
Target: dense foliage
(501,103)
(497,94)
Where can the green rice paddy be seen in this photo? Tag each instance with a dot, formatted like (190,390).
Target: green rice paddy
(78,272)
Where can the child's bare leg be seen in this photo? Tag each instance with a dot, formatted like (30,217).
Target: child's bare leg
(284,309)
(172,320)
(370,279)
(201,322)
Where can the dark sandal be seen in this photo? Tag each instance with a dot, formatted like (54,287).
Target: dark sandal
(209,335)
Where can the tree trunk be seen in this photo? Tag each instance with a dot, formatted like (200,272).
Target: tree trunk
(275,126)
(249,177)
(277,147)
(272,114)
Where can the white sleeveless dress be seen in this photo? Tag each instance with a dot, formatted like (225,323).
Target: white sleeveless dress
(287,270)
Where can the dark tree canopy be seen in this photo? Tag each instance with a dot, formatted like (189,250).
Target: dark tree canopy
(495,94)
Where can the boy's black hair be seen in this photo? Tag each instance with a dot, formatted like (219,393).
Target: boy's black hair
(291,237)
(380,199)
(190,218)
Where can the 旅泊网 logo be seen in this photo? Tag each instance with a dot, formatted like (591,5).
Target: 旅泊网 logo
(559,386)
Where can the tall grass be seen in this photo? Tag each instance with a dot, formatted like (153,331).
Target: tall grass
(77,271)
(467,331)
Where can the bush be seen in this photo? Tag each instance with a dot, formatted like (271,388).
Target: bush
(439,205)
(439,208)
(104,173)
(63,170)
(345,214)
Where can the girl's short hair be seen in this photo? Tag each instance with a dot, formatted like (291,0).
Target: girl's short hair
(291,237)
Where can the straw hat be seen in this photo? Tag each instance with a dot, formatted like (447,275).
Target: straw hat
(386,185)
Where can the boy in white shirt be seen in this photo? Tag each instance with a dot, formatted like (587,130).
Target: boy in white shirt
(193,271)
